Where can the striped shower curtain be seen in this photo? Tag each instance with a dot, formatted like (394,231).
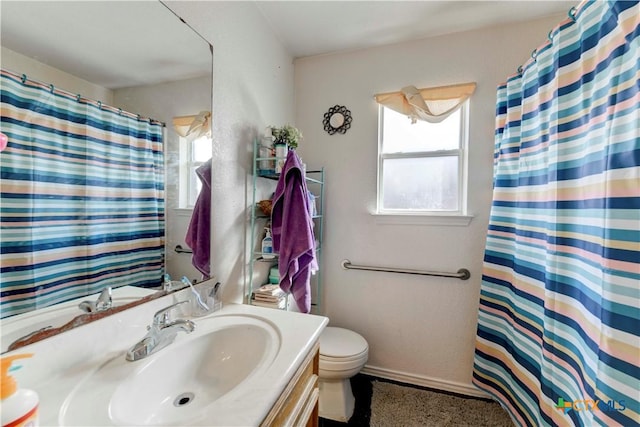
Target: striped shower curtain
(82,197)
(558,339)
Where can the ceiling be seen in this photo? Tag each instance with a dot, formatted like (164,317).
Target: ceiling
(113,44)
(309,28)
(92,39)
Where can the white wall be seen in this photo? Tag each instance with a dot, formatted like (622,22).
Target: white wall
(44,73)
(420,329)
(252,88)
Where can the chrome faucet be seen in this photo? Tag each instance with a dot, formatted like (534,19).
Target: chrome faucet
(103,302)
(162,332)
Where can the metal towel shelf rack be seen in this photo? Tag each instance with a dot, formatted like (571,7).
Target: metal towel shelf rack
(462,274)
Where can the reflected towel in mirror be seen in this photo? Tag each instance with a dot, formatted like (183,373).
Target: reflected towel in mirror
(199,232)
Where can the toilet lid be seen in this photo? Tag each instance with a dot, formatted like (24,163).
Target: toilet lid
(339,342)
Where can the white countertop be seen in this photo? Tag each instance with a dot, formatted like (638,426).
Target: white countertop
(62,362)
(20,325)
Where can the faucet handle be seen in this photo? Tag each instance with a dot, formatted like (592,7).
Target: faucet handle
(104,301)
(161,318)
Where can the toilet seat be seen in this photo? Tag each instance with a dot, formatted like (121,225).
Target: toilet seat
(341,344)
(353,358)
(338,365)
(343,353)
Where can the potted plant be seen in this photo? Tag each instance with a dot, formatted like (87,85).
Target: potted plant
(286,134)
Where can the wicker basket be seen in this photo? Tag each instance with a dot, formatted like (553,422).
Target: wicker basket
(265,206)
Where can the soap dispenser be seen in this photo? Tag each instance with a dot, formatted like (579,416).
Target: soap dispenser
(19,406)
(267,245)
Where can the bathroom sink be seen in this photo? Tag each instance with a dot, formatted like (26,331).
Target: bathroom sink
(20,325)
(181,383)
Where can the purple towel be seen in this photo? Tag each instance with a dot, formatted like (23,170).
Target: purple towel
(198,236)
(292,233)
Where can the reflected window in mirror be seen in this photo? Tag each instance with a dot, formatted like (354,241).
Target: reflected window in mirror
(194,133)
(194,152)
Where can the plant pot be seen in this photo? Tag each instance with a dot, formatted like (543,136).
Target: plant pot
(281,156)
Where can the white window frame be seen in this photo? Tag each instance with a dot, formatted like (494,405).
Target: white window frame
(188,180)
(436,217)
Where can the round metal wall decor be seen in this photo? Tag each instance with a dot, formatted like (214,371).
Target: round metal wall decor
(337,119)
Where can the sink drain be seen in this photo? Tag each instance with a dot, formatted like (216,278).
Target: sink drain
(183,399)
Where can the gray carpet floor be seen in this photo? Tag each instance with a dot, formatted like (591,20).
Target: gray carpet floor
(394,405)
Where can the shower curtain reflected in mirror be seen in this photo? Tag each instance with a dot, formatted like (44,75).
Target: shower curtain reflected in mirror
(82,197)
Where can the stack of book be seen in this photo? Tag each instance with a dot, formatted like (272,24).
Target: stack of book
(270,296)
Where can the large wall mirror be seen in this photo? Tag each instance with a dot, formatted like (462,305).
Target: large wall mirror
(142,60)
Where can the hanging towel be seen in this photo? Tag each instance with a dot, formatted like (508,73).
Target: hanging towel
(292,233)
(199,232)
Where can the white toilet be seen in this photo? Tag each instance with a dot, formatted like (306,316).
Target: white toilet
(343,354)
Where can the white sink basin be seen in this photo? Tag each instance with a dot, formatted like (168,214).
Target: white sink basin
(179,384)
(18,326)
(236,363)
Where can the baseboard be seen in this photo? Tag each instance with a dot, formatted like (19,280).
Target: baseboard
(422,381)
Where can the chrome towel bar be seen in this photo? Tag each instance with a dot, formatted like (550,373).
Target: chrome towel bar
(462,274)
(181,250)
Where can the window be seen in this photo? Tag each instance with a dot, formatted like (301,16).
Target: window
(422,166)
(194,151)
(194,134)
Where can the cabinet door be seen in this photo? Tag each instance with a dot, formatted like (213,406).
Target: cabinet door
(298,404)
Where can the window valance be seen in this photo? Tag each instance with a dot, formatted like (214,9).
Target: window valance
(199,125)
(431,104)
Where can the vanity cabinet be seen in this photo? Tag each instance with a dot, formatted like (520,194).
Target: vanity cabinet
(298,404)
(94,384)
(263,174)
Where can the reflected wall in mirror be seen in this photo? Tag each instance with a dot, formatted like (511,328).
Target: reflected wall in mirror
(120,58)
